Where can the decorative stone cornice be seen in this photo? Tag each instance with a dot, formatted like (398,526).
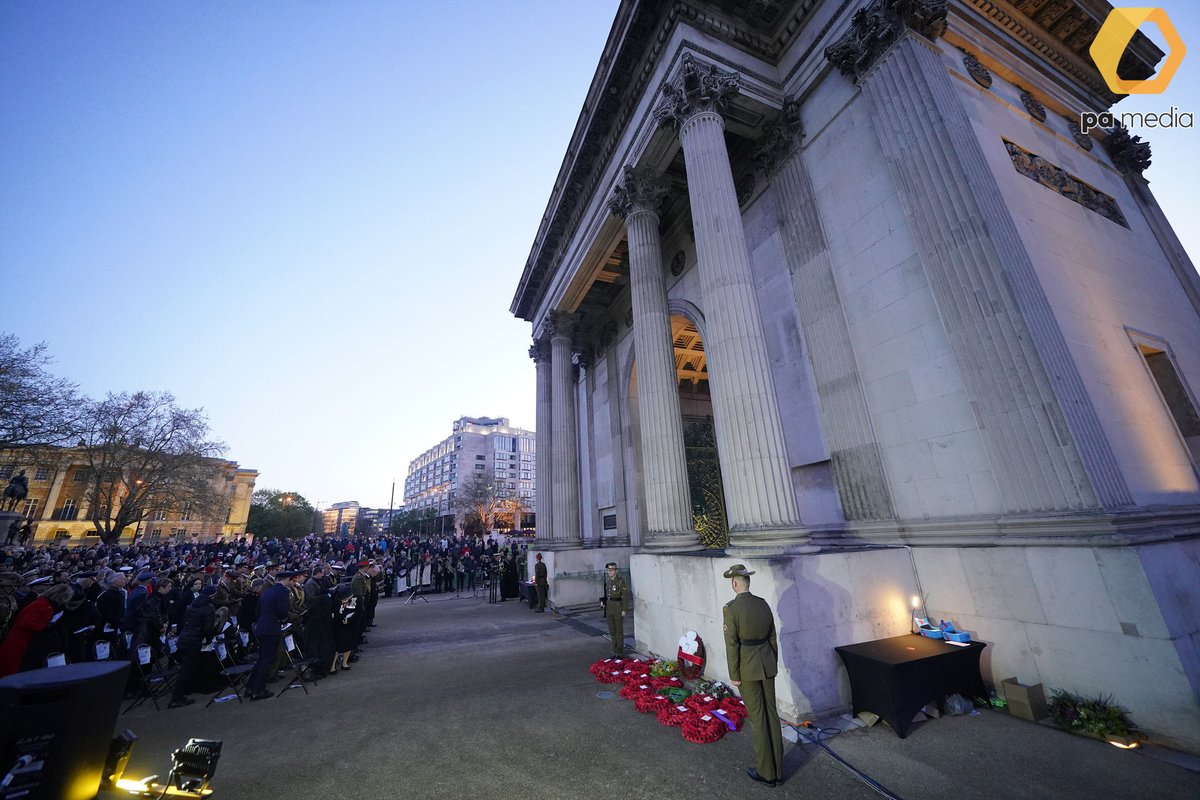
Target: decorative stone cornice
(1129,154)
(539,351)
(561,324)
(874,28)
(695,88)
(637,190)
(606,334)
(781,137)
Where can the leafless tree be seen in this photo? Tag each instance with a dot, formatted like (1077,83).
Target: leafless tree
(143,453)
(36,407)
(480,498)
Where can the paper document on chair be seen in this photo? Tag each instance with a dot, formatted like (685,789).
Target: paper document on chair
(289,643)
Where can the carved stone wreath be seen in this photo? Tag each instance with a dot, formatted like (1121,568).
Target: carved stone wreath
(678,263)
(1035,109)
(629,318)
(1082,139)
(977,70)
(745,188)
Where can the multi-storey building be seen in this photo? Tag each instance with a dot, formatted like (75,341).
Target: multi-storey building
(57,502)
(340,518)
(486,445)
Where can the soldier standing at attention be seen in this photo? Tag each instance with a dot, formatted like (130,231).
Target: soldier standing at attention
(616,601)
(541,582)
(752,651)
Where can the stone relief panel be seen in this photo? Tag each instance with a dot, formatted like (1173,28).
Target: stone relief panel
(678,263)
(1035,109)
(1039,169)
(978,72)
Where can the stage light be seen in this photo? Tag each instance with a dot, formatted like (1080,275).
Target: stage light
(194,764)
(118,756)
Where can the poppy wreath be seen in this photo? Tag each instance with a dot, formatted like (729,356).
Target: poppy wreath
(672,715)
(632,676)
(603,665)
(609,676)
(665,683)
(702,703)
(651,703)
(733,708)
(691,665)
(699,730)
(632,691)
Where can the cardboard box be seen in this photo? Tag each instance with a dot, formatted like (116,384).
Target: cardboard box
(1026,702)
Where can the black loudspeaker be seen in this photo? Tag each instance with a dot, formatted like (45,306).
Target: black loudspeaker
(56,725)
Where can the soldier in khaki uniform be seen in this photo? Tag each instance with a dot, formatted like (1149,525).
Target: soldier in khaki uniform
(616,602)
(752,651)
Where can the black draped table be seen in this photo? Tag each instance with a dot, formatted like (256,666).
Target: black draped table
(897,677)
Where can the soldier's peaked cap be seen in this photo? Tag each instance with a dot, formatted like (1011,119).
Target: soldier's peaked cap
(738,570)
(611,565)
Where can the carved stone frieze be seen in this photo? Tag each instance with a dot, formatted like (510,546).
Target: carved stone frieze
(978,72)
(539,351)
(678,263)
(1082,139)
(780,139)
(695,88)
(1035,108)
(1039,169)
(637,190)
(1129,154)
(561,324)
(745,188)
(874,28)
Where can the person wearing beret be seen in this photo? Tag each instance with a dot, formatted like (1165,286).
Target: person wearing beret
(752,651)
(616,603)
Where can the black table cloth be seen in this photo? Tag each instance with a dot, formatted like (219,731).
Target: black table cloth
(895,678)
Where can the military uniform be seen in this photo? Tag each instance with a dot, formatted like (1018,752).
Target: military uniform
(541,582)
(752,651)
(616,603)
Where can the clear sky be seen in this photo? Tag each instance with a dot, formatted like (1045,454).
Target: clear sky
(309,218)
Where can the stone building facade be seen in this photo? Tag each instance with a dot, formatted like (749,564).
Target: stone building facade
(57,503)
(947,342)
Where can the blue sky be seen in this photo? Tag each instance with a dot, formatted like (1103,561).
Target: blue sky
(309,218)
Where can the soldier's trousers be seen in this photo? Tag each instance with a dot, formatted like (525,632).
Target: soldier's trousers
(616,630)
(759,697)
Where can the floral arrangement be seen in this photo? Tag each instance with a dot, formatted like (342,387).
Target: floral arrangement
(1096,716)
(676,694)
(715,689)
(651,703)
(664,669)
(703,729)
(665,683)
(674,715)
(702,703)
(632,691)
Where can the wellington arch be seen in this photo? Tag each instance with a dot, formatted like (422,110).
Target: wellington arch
(947,344)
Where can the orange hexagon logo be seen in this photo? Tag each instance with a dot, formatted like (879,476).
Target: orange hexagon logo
(1115,35)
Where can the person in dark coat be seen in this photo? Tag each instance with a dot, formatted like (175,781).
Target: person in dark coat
(273,607)
(195,630)
(345,627)
(318,630)
(110,605)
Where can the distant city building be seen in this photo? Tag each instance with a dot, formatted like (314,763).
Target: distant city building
(484,445)
(57,502)
(340,518)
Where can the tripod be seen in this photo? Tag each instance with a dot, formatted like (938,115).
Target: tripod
(414,594)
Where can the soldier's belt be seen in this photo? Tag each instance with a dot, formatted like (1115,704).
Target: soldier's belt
(752,642)
(615,597)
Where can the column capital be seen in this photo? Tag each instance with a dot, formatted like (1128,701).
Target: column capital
(695,88)
(561,324)
(539,351)
(875,27)
(780,138)
(1129,154)
(637,190)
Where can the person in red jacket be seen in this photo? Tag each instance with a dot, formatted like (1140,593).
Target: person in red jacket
(30,621)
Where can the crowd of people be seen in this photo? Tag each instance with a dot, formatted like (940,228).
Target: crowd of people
(167,603)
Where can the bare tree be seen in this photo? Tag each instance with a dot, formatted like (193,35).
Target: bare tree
(143,452)
(36,407)
(479,497)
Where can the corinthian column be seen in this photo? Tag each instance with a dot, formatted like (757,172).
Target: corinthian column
(759,497)
(564,433)
(664,461)
(543,493)
(854,453)
(1042,434)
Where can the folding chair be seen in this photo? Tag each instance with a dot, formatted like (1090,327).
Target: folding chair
(298,663)
(155,679)
(234,673)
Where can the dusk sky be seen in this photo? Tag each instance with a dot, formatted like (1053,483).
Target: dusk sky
(309,218)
